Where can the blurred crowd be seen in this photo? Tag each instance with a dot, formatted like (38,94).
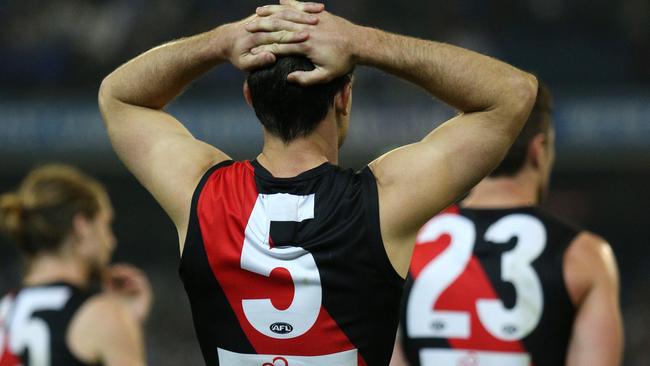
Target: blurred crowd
(73,43)
(47,46)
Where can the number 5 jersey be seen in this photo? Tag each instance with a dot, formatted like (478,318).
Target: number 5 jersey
(486,287)
(289,271)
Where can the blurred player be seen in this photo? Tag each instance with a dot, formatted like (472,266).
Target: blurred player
(289,259)
(500,282)
(61,221)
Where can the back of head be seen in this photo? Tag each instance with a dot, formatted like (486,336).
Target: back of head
(289,110)
(40,214)
(539,121)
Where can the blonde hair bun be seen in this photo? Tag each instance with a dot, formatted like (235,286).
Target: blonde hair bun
(11,213)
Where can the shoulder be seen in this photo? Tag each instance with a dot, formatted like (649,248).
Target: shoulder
(103,311)
(592,249)
(589,260)
(228,173)
(222,168)
(101,318)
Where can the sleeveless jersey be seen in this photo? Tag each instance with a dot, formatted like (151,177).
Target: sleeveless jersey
(289,271)
(34,323)
(486,287)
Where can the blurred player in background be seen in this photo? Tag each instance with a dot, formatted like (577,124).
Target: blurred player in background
(499,281)
(61,220)
(289,259)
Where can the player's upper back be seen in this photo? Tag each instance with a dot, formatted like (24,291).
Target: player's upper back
(487,287)
(34,324)
(289,269)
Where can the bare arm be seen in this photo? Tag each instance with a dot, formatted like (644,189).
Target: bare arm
(398,359)
(157,148)
(592,280)
(105,332)
(417,181)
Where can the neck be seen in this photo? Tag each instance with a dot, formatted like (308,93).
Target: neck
(50,268)
(505,192)
(304,153)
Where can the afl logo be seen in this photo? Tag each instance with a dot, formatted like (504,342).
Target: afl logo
(281,328)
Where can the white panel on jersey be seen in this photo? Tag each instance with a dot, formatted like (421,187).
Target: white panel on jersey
(347,358)
(422,320)
(258,257)
(516,268)
(456,357)
(33,334)
(5,305)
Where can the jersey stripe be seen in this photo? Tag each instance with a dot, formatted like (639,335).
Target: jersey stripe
(224,208)
(6,357)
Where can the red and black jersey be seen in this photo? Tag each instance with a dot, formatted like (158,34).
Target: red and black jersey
(34,325)
(486,287)
(289,271)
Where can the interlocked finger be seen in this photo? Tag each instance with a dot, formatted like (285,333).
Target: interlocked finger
(307,78)
(274,25)
(288,13)
(267,38)
(251,62)
(281,49)
(309,7)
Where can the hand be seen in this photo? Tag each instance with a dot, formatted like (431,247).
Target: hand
(329,44)
(132,287)
(286,25)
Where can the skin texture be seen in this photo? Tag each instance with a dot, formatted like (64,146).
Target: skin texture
(592,278)
(398,358)
(149,140)
(590,271)
(108,327)
(105,331)
(419,180)
(414,182)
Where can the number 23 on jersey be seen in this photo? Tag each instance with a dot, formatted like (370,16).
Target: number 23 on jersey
(507,324)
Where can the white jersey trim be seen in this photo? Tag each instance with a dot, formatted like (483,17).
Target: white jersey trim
(347,358)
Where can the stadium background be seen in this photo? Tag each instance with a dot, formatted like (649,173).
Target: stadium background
(594,54)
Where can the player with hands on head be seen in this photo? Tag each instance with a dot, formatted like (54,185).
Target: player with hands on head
(61,220)
(288,256)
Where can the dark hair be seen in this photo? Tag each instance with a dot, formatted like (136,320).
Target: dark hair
(289,110)
(40,214)
(539,121)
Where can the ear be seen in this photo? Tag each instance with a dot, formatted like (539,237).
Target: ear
(342,99)
(81,235)
(537,150)
(247,94)
(81,227)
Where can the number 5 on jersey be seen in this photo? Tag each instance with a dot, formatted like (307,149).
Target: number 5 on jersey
(258,257)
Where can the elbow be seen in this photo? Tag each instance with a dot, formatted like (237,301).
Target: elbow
(106,99)
(104,94)
(527,88)
(523,94)
(519,101)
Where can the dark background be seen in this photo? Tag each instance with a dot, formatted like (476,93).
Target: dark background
(594,54)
